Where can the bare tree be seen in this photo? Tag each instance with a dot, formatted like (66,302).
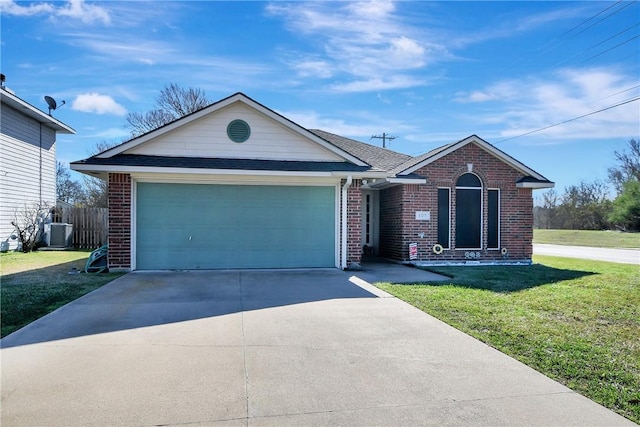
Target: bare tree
(172,103)
(96,189)
(28,224)
(67,189)
(545,213)
(628,166)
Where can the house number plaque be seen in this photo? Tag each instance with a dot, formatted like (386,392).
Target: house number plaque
(423,216)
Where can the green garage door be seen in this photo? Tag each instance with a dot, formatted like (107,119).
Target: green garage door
(194,226)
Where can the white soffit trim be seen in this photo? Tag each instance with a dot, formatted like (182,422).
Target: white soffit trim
(238,97)
(390,182)
(484,145)
(535,185)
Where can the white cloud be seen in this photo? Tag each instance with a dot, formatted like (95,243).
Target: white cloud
(87,13)
(143,51)
(313,68)
(530,104)
(507,25)
(372,8)
(359,125)
(369,43)
(76,9)
(111,134)
(99,104)
(406,53)
(501,91)
(10,7)
(376,84)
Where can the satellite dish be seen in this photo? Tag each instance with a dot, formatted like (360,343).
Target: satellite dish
(52,103)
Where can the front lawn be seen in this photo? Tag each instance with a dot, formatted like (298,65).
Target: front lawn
(37,283)
(576,321)
(594,238)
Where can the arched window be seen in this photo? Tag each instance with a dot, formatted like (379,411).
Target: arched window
(469,212)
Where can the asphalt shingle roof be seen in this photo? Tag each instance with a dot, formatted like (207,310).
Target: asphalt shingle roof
(379,158)
(412,161)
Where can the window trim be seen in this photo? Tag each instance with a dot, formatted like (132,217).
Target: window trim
(482,222)
(499,228)
(448,243)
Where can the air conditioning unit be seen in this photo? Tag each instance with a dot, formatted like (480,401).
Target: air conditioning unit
(59,234)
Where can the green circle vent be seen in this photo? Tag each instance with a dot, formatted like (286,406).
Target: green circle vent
(238,130)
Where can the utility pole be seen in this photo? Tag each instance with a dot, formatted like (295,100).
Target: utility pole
(384,138)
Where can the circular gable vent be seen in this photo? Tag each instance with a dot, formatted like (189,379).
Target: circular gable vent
(238,130)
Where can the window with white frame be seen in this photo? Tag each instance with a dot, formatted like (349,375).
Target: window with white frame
(469,212)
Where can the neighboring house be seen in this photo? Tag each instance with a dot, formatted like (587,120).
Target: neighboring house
(236,185)
(27,161)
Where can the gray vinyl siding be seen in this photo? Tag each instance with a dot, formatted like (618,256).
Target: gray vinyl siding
(21,160)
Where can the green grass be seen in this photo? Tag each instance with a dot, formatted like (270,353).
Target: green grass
(37,283)
(576,321)
(595,238)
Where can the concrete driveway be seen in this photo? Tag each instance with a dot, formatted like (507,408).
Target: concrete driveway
(258,348)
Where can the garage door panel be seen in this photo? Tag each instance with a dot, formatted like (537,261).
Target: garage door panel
(189,226)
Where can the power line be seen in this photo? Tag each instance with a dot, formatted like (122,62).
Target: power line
(574,28)
(571,120)
(606,17)
(618,93)
(545,48)
(597,44)
(611,48)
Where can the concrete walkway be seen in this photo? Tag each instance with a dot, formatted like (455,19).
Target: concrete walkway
(266,348)
(623,256)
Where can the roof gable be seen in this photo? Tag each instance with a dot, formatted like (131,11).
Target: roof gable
(416,163)
(204,134)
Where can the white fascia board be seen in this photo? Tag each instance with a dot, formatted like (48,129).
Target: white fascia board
(535,185)
(484,145)
(192,171)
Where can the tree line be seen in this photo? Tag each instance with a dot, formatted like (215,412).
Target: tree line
(587,206)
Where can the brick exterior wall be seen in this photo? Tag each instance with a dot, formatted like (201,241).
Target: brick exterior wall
(119,200)
(354,222)
(391,225)
(398,226)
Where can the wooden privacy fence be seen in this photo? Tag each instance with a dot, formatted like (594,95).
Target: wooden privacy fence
(90,225)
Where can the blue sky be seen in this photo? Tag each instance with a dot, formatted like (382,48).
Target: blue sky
(429,73)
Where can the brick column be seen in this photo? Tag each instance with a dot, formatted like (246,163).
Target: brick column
(354,223)
(119,200)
